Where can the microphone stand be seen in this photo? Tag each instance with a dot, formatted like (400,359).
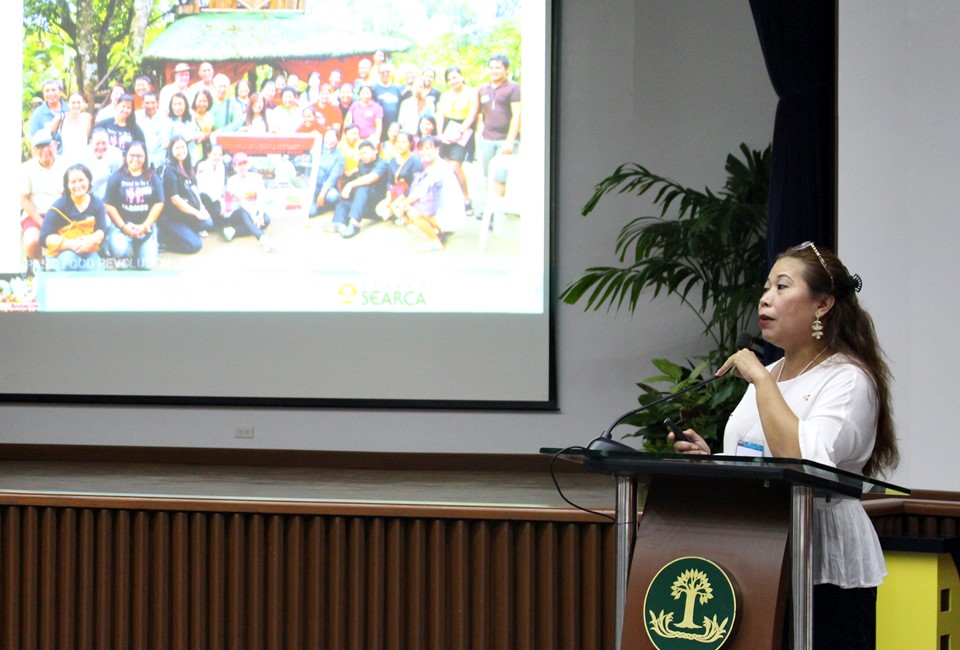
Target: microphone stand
(605,441)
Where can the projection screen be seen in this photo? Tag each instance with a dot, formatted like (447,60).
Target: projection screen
(304,316)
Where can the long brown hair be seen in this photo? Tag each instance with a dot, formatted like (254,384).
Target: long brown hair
(848,329)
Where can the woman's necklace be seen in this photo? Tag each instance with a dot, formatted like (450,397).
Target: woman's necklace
(805,368)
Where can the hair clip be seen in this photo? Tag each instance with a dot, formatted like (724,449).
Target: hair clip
(857,282)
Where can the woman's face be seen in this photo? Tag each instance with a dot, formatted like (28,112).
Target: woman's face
(787,308)
(135,159)
(426,127)
(243,89)
(379,57)
(366,94)
(178,106)
(179,150)
(346,95)
(140,86)
(402,145)
(124,109)
(454,79)
(215,156)
(393,130)
(201,104)
(76,103)
(258,105)
(309,119)
(115,93)
(78,183)
(314,81)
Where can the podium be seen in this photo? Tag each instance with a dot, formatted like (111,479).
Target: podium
(734,530)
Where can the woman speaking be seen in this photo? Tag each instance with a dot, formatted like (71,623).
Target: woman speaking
(827,400)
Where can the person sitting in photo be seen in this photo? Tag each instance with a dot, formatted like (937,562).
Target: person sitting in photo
(350,148)
(360,196)
(434,203)
(404,166)
(387,150)
(133,202)
(184,221)
(74,227)
(245,196)
(41,184)
(212,184)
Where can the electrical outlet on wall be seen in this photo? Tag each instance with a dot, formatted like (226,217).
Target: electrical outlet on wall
(243,431)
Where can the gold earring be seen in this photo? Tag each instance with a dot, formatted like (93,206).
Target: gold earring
(817,328)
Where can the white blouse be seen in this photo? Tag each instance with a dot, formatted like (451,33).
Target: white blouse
(836,403)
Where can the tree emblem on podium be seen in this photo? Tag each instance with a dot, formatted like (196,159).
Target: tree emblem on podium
(698,593)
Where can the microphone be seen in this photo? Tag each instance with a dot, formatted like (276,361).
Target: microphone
(605,441)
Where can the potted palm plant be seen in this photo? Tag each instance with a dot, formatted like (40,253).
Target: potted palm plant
(708,249)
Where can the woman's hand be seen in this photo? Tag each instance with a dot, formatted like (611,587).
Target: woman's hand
(698,446)
(202,214)
(746,365)
(85,244)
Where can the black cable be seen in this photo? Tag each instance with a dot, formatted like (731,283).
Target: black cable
(553,475)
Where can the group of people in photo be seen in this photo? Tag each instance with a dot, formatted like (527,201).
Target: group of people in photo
(144,174)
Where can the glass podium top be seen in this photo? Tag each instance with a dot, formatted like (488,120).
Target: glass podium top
(823,478)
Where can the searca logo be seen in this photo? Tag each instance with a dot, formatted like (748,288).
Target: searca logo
(350,296)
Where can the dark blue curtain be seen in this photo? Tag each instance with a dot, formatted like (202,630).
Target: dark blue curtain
(798,38)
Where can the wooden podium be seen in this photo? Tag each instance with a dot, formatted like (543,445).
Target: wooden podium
(747,517)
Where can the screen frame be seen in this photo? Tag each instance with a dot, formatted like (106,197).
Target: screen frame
(549,403)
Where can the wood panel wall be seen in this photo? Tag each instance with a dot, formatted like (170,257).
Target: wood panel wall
(154,577)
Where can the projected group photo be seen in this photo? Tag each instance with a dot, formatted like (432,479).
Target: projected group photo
(254,155)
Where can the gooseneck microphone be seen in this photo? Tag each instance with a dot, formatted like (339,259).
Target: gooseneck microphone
(605,441)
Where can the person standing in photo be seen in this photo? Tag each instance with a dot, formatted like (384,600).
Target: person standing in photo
(180,84)
(498,123)
(154,125)
(52,106)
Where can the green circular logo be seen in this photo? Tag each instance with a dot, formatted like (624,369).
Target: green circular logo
(691,603)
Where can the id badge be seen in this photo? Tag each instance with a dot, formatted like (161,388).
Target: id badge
(745,448)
